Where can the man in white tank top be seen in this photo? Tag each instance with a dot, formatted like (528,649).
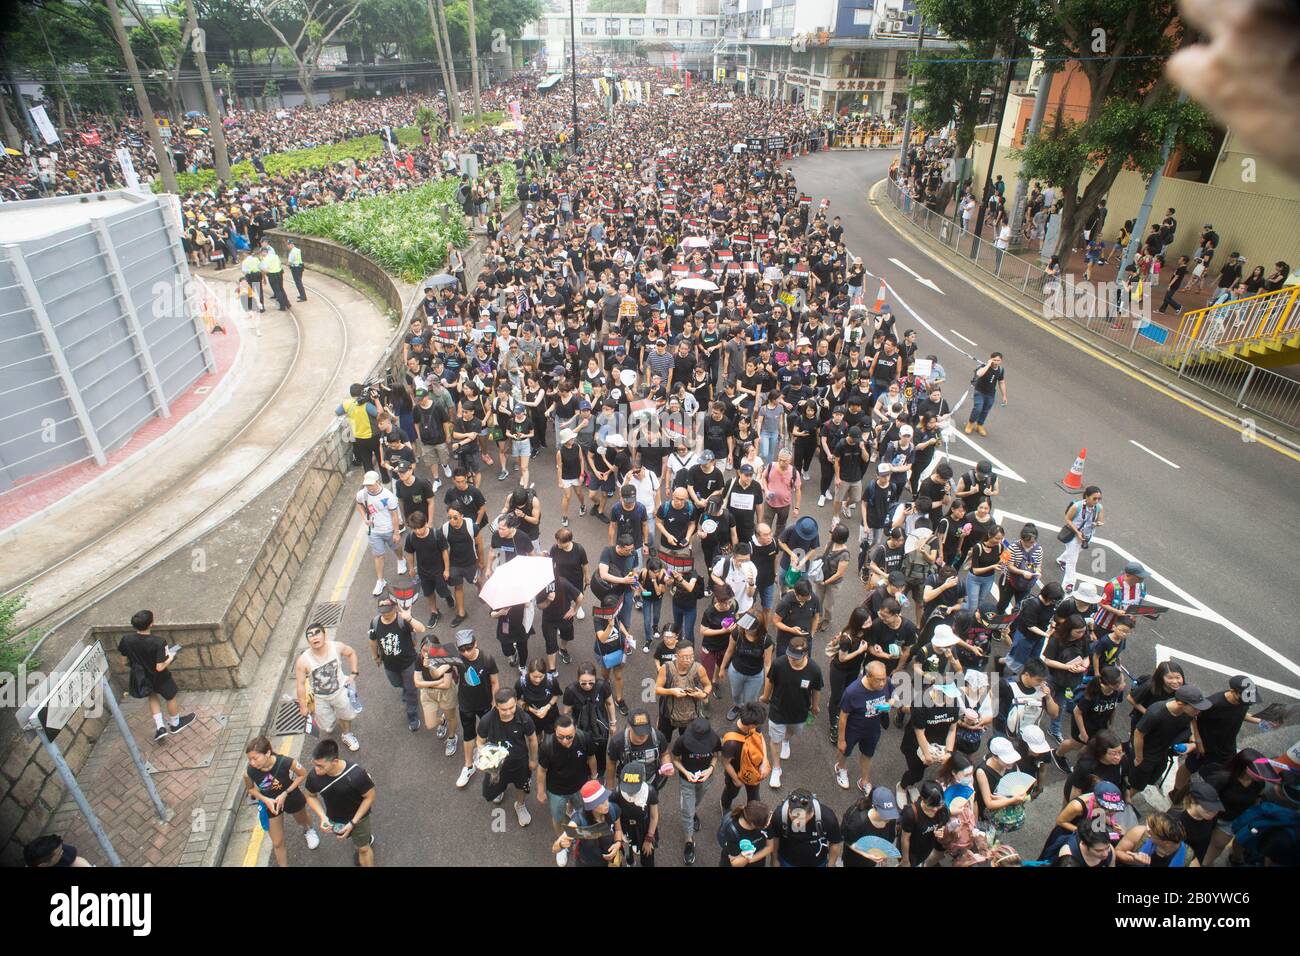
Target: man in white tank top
(319,670)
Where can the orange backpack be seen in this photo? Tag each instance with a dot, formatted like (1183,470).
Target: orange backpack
(753,753)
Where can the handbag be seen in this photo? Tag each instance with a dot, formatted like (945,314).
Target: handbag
(1066,534)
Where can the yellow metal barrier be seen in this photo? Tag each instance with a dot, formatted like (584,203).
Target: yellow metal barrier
(1256,317)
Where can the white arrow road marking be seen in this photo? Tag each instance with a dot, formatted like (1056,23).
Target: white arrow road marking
(1202,611)
(933,331)
(1164,652)
(963,338)
(1153,454)
(997,464)
(1011,475)
(919,278)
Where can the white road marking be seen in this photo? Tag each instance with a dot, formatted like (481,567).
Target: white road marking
(1164,652)
(1201,610)
(996,470)
(933,331)
(1153,454)
(918,277)
(997,464)
(963,338)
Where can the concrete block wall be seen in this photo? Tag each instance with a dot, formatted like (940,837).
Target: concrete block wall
(31,789)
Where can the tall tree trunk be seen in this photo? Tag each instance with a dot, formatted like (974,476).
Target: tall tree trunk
(220,155)
(305,79)
(473,61)
(442,61)
(142,100)
(11,137)
(453,93)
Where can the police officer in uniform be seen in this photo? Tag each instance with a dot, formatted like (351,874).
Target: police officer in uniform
(295,269)
(275,275)
(252,267)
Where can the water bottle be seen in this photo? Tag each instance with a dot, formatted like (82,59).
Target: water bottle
(353,699)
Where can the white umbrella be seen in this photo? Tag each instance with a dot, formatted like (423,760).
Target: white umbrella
(701,285)
(518,581)
(695,242)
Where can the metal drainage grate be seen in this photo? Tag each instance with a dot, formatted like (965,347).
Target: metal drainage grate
(327,613)
(287,719)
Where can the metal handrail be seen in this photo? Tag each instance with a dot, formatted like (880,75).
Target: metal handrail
(1262,316)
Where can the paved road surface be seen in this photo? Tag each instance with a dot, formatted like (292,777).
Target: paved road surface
(1219,528)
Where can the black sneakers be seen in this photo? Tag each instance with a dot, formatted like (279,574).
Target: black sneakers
(688,854)
(183,721)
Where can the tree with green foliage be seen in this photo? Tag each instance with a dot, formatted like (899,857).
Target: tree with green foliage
(1120,47)
(14,644)
(616,6)
(313,24)
(164,161)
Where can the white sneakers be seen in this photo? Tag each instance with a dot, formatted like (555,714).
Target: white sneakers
(446,471)
(401,565)
(465,774)
(821,501)
(522,814)
(775,780)
(379,587)
(350,741)
(562,858)
(582,612)
(785,750)
(842,777)
(312,838)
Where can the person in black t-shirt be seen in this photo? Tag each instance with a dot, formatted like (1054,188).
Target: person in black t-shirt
(512,730)
(988,378)
(565,761)
(426,548)
(1165,724)
(275,781)
(147,660)
(393,647)
(694,756)
(920,824)
(341,795)
(806,832)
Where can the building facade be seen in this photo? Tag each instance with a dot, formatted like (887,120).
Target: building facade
(831,56)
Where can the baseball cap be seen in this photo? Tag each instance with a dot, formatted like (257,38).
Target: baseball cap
(521,409)
(746,469)
(883,468)
(593,794)
(1240,683)
(943,636)
(1004,750)
(706,455)
(855,431)
(639,721)
(371,478)
(567,435)
(882,801)
(1206,797)
(403,465)
(584,406)
(465,637)
(628,493)
(633,778)
(1035,739)
(386,601)
(1108,796)
(1191,694)
(1135,568)
(896,579)
(984,467)
(905,430)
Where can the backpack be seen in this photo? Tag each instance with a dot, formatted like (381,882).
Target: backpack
(752,756)
(916,566)
(590,717)
(819,830)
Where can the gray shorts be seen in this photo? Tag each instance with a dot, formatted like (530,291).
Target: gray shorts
(381,542)
(458,576)
(521,449)
(777,733)
(336,706)
(851,492)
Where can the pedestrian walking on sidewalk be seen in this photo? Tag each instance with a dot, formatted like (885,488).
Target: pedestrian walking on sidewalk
(342,794)
(148,658)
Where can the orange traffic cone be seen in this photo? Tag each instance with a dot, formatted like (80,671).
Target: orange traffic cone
(1073,480)
(880,298)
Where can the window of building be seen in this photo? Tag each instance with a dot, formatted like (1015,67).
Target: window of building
(861,17)
(613,26)
(767,17)
(636,28)
(683,28)
(902,60)
(661,28)
(589,28)
(708,28)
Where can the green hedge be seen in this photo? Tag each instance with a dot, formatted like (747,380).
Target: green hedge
(360,149)
(407,233)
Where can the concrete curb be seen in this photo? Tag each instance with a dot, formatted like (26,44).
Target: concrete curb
(1199,403)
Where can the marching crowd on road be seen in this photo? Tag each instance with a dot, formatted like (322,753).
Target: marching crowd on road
(737,417)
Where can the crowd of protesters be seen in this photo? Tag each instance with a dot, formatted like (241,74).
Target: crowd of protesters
(685,336)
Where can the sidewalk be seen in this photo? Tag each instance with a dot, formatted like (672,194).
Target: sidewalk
(191,770)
